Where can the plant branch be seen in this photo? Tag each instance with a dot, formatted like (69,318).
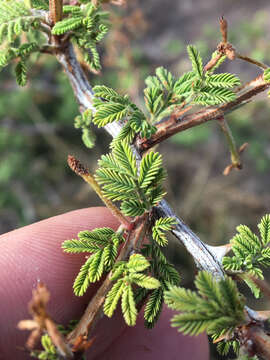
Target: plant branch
(55,10)
(204,257)
(256,86)
(80,170)
(78,337)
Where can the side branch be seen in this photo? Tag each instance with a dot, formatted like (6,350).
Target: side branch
(164,132)
(204,256)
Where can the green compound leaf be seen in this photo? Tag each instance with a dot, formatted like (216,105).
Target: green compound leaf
(251,253)
(181,299)
(99,236)
(20,72)
(152,81)
(169,274)
(65,25)
(133,208)
(196,60)
(97,266)
(145,281)
(214,96)
(129,306)
(124,157)
(82,280)
(103,244)
(119,178)
(110,112)
(216,308)
(191,323)
(264,227)
(153,97)
(78,246)
(165,77)
(266,75)
(149,168)
(153,307)
(184,81)
(113,298)
(107,93)
(162,225)
(224,80)
(137,263)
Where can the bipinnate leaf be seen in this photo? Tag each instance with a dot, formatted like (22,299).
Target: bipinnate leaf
(129,306)
(124,157)
(181,299)
(153,307)
(147,282)
(102,244)
(224,80)
(214,95)
(137,263)
(264,227)
(82,280)
(196,60)
(65,25)
(113,298)
(133,208)
(20,72)
(160,227)
(149,168)
(251,253)
(109,112)
(266,75)
(165,77)
(217,307)
(126,274)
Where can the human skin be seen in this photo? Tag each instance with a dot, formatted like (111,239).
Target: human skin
(33,253)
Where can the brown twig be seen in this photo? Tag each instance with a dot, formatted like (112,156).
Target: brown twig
(42,321)
(55,10)
(81,170)
(251,61)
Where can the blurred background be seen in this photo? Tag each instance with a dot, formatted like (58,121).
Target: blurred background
(37,122)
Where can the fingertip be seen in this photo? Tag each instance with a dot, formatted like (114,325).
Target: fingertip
(33,254)
(161,342)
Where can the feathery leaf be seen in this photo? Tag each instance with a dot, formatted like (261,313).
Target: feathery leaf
(196,60)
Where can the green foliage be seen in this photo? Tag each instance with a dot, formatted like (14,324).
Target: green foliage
(16,19)
(216,307)
(49,352)
(196,60)
(164,93)
(103,244)
(40,4)
(20,71)
(117,107)
(165,273)
(251,253)
(127,274)
(83,122)
(223,347)
(266,75)
(117,174)
(162,225)
(84,23)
